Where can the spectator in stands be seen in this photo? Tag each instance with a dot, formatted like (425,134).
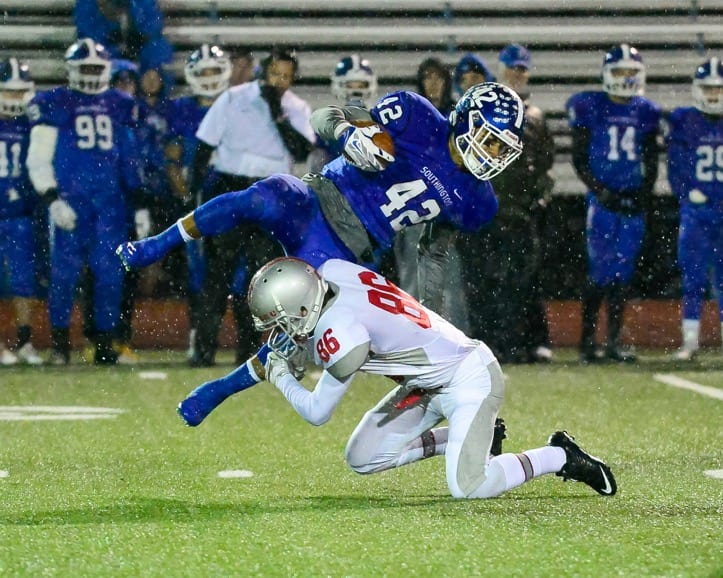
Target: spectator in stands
(83,162)
(17,201)
(131,29)
(426,167)
(695,172)
(208,72)
(256,129)
(470,70)
(501,263)
(615,154)
(434,82)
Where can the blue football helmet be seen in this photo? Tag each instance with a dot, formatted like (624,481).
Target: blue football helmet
(708,87)
(354,81)
(487,126)
(88,64)
(16,87)
(623,57)
(208,71)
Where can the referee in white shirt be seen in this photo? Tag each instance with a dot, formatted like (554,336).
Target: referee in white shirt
(256,130)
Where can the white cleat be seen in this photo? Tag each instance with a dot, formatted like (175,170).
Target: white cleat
(27,354)
(7,357)
(684,354)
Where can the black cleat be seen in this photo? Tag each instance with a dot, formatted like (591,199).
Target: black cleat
(620,355)
(497,437)
(582,467)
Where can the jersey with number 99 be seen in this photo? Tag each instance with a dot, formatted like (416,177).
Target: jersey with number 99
(373,326)
(423,183)
(96,151)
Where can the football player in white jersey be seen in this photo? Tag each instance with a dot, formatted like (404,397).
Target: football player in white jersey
(353,319)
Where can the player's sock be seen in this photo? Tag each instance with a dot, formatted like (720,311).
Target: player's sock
(431,443)
(24,334)
(691,331)
(520,468)
(208,396)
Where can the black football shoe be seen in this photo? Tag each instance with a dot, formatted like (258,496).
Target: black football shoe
(498,436)
(582,467)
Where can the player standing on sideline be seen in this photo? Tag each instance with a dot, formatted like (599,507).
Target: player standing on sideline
(615,154)
(207,72)
(253,130)
(82,160)
(352,210)
(354,320)
(17,200)
(695,172)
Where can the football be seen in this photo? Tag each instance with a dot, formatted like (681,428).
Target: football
(382,139)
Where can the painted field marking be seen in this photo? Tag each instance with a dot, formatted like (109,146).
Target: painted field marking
(717,474)
(153,375)
(56,413)
(676,381)
(4,473)
(235,474)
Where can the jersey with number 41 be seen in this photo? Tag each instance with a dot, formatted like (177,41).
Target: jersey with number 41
(96,151)
(423,183)
(404,339)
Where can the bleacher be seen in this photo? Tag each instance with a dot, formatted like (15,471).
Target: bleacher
(567,39)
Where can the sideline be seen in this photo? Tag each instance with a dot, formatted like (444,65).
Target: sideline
(675,381)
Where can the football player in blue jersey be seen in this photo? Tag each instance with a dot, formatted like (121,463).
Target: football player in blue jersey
(83,162)
(615,154)
(207,72)
(440,171)
(695,172)
(17,200)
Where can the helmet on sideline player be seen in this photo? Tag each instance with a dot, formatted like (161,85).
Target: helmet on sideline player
(286,296)
(488,116)
(88,64)
(16,87)
(354,81)
(623,72)
(208,71)
(708,87)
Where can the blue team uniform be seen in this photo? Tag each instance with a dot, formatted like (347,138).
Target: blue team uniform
(95,163)
(423,183)
(17,201)
(695,161)
(615,226)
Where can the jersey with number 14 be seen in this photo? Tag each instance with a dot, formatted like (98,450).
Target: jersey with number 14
(423,183)
(405,339)
(96,151)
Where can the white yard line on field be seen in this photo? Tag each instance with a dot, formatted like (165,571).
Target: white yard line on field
(675,381)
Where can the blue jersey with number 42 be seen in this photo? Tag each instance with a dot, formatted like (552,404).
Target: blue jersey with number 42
(423,183)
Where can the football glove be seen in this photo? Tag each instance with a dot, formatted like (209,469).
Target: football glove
(697,197)
(361,151)
(62,215)
(276,367)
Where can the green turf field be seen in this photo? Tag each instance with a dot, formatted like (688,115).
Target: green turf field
(138,494)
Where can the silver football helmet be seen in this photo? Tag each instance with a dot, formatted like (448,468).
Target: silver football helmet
(286,296)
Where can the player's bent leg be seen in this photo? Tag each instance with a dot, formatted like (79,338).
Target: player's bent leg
(397,431)
(208,396)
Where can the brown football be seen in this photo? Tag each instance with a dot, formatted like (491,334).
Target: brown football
(382,139)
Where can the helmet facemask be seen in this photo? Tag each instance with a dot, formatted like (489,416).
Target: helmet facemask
(14,101)
(208,71)
(708,87)
(485,150)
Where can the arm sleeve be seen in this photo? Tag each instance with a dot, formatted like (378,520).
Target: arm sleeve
(200,165)
(315,406)
(294,141)
(329,122)
(581,158)
(43,139)
(650,163)
(433,257)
